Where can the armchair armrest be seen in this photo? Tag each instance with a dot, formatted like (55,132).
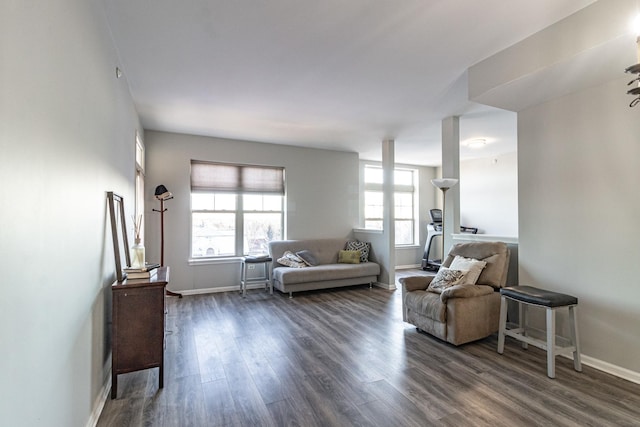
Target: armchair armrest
(415,283)
(465,291)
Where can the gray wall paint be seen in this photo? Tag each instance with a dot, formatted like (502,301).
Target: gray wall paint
(489,194)
(68,132)
(322,197)
(579,206)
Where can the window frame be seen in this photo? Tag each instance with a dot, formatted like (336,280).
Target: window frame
(377,187)
(139,183)
(239,210)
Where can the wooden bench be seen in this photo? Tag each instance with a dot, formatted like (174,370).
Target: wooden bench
(551,301)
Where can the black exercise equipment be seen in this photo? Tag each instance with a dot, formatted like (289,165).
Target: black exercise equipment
(434,229)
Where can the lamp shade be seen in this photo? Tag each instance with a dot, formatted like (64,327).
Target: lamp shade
(162,193)
(444,183)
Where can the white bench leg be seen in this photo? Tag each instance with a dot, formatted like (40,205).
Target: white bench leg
(524,321)
(551,343)
(573,323)
(503,324)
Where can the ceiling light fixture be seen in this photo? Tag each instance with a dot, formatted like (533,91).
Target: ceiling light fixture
(635,69)
(477,143)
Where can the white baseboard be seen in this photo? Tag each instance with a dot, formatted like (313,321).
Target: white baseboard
(386,286)
(101,399)
(220,289)
(625,374)
(256,286)
(601,365)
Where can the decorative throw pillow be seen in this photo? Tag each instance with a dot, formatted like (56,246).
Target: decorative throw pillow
(472,266)
(307,257)
(349,257)
(363,247)
(291,260)
(445,278)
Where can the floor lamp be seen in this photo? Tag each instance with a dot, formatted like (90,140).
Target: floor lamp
(163,194)
(444,184)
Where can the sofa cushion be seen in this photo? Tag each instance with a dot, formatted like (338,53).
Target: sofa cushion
(495,254)
(349,257)
(426,304)
(465,291)
(473,268)
(445,278)
(288,275)
(307,257)
(363,247)
(325,250)
(291,260)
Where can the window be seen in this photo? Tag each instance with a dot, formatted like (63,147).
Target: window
(139,195)
(235,209)
(404,202)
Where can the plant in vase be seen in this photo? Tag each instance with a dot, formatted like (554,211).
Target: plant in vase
(137,251)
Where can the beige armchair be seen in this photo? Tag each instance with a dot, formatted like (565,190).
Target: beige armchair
(460,313)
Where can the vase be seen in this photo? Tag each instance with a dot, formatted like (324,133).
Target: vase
(137,255)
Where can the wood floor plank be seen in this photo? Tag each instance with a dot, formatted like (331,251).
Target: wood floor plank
(344,357)
(250,408)
(219,405)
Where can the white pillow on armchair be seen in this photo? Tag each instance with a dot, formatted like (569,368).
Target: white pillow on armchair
(473,267)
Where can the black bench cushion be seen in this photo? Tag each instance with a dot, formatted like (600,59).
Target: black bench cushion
(256,260)
(532,295)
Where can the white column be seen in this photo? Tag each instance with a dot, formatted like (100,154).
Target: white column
(388,221)
(451,169)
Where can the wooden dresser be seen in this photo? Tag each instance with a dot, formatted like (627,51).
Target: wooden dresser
(138,326)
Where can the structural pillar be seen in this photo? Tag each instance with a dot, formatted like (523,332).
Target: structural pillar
(451,169)
(388,217)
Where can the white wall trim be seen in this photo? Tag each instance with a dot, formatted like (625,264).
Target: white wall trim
(386,286)
(485,238)
(601,365)
(220,289)
(256,286)
(101,399)
(214,261)
(367,230)
(618,371)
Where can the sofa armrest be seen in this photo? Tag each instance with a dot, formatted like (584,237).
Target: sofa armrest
(415,283)
(465,291)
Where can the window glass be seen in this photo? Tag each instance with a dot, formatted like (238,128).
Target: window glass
(373,175)
(405,201)
(213,234)
(259,230)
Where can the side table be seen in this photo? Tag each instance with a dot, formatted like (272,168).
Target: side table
(138,326)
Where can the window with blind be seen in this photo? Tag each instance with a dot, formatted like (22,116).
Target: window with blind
(235,209)
(404,197)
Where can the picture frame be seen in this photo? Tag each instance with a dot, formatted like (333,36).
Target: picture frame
(119,234)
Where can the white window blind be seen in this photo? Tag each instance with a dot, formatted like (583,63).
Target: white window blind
(238,179)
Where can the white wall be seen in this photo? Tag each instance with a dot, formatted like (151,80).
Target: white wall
(489,194)
(579,206)
(66,138)
(321,186)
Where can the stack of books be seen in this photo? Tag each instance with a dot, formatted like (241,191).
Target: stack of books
(147,272)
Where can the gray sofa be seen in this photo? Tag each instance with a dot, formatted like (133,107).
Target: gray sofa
(327,274)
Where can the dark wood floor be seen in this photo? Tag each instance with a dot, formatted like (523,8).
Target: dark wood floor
(344,357)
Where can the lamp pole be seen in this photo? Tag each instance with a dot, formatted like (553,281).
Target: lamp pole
(444,184)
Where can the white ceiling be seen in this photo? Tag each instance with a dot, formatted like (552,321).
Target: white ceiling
(336,74)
